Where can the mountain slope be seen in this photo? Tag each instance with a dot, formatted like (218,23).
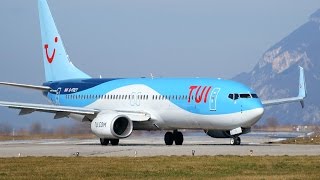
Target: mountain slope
(276,74)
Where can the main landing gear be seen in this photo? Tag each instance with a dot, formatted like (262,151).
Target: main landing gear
(176,136)
(235,140)
(105,142)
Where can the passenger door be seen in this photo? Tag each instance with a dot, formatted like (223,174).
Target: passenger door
(213,99)
(57,96)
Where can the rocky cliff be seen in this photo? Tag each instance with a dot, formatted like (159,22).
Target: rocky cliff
(276,74)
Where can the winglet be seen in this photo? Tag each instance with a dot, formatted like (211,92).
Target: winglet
(302,87)
(301,96)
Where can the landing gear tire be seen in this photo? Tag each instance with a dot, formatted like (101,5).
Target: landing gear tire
(238,141)
(168,138)
(114,142)
(232,141)
(235,141)
(104,142)
(178,138)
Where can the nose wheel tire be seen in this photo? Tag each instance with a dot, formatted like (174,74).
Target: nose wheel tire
(176,136)
(235,141)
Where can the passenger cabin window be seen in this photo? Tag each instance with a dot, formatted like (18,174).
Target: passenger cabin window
(254,96)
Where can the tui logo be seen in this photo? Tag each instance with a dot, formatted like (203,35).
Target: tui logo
(199,97)
(46,46)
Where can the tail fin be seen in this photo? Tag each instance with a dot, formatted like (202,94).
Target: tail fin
(56,61)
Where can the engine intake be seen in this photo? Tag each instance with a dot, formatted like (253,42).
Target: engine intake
(112,126)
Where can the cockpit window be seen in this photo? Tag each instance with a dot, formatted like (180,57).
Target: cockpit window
(244,96)
(236,96)
(233,96)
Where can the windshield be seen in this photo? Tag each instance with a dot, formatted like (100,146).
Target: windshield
(236,96)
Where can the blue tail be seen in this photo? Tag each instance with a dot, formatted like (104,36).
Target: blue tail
(56,61)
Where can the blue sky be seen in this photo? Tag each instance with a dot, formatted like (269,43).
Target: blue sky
(129,38)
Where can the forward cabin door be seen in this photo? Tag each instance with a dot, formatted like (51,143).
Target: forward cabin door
(213,99)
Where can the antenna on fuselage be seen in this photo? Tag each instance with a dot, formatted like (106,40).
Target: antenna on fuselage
(151,75)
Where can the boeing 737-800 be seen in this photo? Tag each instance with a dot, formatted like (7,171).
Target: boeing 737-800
(115,107)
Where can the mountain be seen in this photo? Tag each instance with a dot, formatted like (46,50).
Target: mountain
(276,74)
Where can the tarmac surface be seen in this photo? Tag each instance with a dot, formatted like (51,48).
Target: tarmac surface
(197,144)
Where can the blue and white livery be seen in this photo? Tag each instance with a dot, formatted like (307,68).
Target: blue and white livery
(115,107)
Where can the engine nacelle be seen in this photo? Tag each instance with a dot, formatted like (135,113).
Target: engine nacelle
(112,125)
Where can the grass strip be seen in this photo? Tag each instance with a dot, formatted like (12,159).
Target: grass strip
(173,167)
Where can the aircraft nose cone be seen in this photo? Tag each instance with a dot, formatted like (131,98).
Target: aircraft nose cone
(252,116)
(258,112)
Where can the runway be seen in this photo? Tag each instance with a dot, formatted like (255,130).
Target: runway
(196,144)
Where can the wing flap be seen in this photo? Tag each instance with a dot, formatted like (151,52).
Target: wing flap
(136,115)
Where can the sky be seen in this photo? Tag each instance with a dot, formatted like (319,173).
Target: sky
(133,38)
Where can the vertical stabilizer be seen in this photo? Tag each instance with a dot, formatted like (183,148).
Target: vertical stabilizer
(56,61)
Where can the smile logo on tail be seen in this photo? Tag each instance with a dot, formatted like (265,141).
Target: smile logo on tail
(46,46)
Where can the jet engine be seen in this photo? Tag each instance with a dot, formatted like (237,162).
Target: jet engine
(112,125)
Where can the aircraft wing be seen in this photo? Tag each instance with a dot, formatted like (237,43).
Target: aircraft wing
(27,108)
(283,101)
(65,111)
(301,96)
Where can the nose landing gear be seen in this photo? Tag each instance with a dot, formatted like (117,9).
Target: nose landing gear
(235,140)
(176,136)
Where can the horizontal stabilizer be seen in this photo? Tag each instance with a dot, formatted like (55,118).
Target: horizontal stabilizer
(40,88)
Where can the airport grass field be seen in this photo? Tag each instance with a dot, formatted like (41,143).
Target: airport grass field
(204,167)
(303,140)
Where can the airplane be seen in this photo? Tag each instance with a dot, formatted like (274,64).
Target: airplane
(115,107)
